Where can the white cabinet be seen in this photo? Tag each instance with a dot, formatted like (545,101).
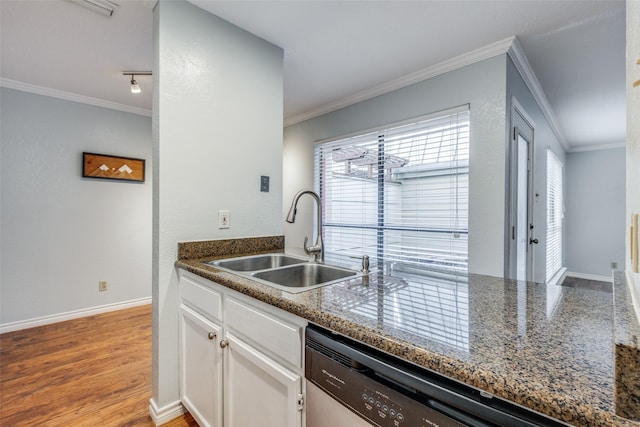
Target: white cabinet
(201,368)
(259,391)
(274,336)
(241,360)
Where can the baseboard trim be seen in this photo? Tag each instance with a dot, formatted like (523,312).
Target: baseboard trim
(166,413)
(55,318)
(589,276)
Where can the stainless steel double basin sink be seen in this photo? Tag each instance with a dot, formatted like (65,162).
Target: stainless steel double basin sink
(284,272)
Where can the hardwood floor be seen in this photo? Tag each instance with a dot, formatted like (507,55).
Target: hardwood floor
(93,371)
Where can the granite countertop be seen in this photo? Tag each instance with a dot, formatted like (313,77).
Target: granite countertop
(627,350)
(548,348)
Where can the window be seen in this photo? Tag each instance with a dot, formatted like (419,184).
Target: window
(398,194)
(554,214)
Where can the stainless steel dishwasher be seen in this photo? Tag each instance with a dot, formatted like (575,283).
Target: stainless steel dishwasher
(386,391)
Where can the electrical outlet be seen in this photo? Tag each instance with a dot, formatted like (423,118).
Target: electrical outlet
(223,219)
(614,265)
(102,285)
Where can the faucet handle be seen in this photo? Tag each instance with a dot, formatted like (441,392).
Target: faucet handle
(311,250)
(365,262)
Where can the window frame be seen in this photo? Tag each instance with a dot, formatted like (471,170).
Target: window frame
(462,121)
(554,215)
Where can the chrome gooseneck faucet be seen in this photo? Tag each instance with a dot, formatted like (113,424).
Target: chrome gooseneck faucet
(317,250)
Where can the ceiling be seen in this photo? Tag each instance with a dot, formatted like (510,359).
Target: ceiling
(338,51)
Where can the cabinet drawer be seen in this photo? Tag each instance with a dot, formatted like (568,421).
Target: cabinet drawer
(281,338)
(201,298)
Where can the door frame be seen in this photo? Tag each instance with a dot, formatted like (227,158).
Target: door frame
(521,124)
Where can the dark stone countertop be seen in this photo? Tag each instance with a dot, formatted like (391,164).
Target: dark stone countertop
(549,348)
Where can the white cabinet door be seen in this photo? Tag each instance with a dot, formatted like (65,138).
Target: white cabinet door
(259,391)
(201,368)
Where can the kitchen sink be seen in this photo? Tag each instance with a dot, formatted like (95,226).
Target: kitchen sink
(304,275)
(285,272)
(257,262)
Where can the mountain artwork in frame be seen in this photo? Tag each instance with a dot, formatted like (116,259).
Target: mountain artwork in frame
(104,166)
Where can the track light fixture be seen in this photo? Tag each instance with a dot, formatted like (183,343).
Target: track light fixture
(135,88)
(103,7)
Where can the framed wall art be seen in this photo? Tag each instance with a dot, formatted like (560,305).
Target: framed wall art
(104,166)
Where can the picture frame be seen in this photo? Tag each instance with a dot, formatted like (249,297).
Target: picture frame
(105,166)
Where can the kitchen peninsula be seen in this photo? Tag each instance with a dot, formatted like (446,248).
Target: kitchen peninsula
(550,349)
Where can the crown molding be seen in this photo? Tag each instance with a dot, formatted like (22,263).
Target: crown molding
(510,46)
(486,52)
(521,63)
(611,146)
(68,96)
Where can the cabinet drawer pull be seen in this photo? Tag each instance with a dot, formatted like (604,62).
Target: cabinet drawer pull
(224,343)
(212,335)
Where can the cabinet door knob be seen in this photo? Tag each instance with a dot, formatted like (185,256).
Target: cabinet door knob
(224,343)
(212,335)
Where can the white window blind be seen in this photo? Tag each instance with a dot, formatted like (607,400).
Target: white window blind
(555,214)
(398,194)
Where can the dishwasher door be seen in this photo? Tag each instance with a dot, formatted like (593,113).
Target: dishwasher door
(324,411)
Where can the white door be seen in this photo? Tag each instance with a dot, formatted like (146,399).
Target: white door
(521,229)
(259,391)
(201,368)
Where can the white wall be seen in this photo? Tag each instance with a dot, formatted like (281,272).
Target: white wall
(62,233)
(633,133)
(217,127)
(543,138)
(482,85)
(594,211)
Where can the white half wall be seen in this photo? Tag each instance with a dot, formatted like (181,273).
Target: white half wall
(62,233)
(483,86)
(633,136)
(594,211)
(217,127)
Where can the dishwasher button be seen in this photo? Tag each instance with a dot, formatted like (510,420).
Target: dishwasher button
(400,417)
(392,412)
(365,397)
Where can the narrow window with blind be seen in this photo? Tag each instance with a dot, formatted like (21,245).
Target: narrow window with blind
(399,194)
(555,215)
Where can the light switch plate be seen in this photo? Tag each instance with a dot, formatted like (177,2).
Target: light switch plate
(264,184)
(223,219)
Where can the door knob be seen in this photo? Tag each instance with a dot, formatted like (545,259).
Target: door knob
(533,241)
(224,343)
(212,335)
